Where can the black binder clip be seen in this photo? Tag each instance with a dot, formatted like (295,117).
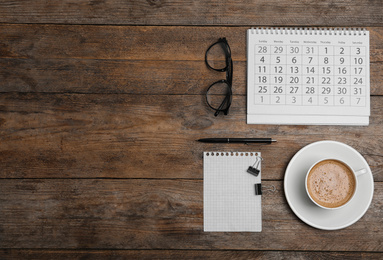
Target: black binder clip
(258,189)
(254,169)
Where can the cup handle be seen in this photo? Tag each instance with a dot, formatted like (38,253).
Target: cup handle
(360,172)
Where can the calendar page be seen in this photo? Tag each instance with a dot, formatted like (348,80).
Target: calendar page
(308,76)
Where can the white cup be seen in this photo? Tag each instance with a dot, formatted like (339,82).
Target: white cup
(329,182)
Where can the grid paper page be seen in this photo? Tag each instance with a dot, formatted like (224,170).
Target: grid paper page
(230,203)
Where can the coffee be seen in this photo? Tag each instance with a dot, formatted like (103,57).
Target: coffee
(331,183)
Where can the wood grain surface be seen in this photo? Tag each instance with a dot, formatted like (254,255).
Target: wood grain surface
(157,214)
(100,106)
(127,59)
(149,136)
(176,12)
(179,254)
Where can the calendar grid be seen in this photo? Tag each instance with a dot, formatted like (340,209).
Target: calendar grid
(298,75)
(267,75)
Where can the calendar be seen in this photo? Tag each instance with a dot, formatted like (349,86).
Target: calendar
(308,76)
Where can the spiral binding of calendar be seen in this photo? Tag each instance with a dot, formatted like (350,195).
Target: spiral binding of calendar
(310,31)
(231,154)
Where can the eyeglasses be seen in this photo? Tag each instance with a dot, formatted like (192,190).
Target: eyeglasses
(219,94)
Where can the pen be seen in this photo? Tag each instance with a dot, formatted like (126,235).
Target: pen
(237,140)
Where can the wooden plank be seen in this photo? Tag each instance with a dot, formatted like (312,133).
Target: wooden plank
(165,43)
(108,59)
(262,12)
(110,76)
(149,136)
(119,42)
(159,214)
(59,254)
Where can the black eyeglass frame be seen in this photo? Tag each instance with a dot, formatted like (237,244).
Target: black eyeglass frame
(229,76)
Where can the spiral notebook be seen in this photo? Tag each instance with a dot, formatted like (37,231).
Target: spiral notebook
(308,76)
(232,201)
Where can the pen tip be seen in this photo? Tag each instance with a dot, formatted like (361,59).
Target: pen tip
(273,140)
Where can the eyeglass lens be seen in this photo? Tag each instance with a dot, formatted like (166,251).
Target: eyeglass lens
(217,93)
(216,56)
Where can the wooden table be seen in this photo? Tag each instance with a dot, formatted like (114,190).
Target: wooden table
(100,106)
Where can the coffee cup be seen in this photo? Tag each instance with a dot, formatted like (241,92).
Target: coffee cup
(332,183)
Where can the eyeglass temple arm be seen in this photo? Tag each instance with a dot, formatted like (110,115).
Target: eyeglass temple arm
(219,109)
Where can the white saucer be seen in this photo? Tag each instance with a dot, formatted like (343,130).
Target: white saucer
(304,208)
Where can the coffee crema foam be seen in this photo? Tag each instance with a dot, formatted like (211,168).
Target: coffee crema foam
(331,184)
